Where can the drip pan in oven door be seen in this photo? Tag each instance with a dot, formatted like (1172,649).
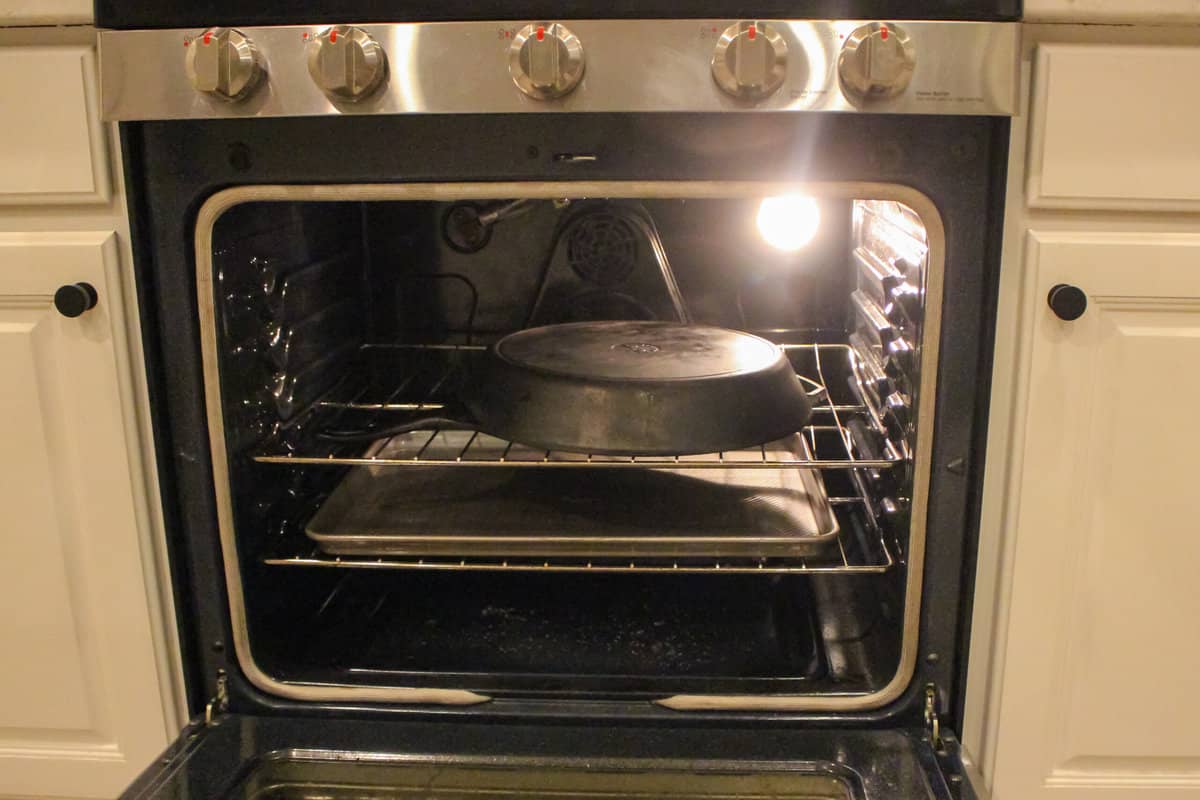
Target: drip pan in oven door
(582,512)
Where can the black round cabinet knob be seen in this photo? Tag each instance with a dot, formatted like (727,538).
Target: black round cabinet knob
(1067,302)
(75,298)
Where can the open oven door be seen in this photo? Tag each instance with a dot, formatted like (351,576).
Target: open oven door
(288,758)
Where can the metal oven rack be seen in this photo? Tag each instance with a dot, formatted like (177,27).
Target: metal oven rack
(825,443)
(868,554)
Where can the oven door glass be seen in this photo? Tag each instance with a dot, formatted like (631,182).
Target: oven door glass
(280,758)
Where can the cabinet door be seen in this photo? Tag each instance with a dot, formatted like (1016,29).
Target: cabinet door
(1101,680)
(80,707)
(45,12)
(1159,11)
(1086,151)
(52,145)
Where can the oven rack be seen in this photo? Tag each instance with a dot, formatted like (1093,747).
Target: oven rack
(850,553)
(825,443)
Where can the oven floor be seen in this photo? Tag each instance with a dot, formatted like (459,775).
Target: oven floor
(552,633)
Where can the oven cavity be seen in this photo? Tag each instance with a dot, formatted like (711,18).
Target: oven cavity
(384,540)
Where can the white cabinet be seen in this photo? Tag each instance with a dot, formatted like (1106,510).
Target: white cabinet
(1112,10)
(1103,654)
(52,147)
(81,710)
(1113,126)
(45,12)
(1085,646)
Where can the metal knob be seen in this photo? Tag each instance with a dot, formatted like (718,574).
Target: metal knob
(1067,302)
(750,61)
(346,62)
(224,62)
(877,61)
(546,60)
(75,298)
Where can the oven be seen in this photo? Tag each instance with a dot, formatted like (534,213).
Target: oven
(588,405)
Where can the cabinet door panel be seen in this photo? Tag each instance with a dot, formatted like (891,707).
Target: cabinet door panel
(80,708)
(45,12)
(1103,649)
(1087,151)
(52,146)
(1158,11)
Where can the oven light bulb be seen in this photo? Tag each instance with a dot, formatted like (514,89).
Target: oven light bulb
(788,222)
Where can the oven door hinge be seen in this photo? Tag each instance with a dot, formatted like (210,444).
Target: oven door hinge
(933,726)
(219,704)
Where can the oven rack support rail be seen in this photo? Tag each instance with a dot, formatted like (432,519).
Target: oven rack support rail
(826,443)
(872,556)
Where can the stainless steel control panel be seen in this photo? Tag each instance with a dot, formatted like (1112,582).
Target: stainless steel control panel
(872,66)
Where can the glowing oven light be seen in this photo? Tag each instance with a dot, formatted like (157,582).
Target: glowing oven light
(788,222)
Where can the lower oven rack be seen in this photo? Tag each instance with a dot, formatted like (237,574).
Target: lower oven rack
(825,443)
(860,548)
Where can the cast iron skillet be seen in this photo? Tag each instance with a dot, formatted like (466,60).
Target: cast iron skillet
(637,388)
(629,388)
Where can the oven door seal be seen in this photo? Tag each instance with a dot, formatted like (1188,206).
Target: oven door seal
(222,201)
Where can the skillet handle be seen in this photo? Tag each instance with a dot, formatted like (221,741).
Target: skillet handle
(815,391)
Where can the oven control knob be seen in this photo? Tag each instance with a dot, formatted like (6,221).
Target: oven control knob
(346,63)
(224,62)
(546,60)
(750,61)
(876,62)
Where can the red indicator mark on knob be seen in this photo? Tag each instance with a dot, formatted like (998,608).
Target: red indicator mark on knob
(208,37)
(333,35)
(752,33)
(883,32)
(541,32)
(304,35)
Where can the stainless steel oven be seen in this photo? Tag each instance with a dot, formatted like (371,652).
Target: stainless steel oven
(401,570)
